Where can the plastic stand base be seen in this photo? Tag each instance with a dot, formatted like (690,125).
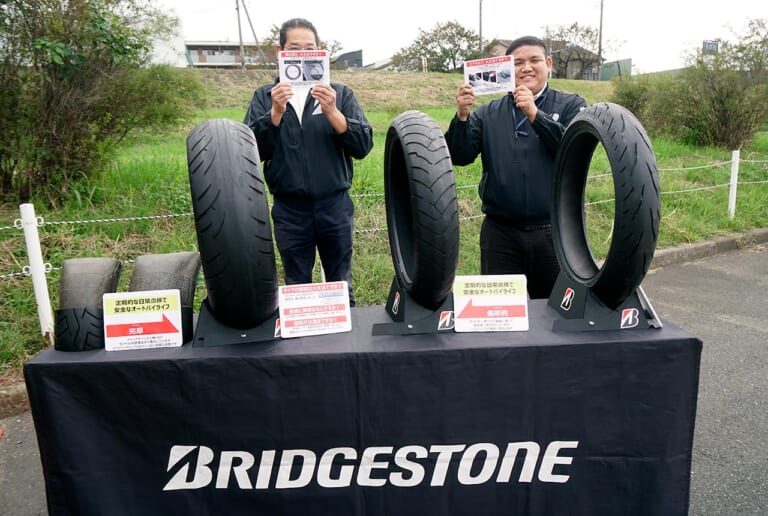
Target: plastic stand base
(410,318)
(583,311)
(210,332)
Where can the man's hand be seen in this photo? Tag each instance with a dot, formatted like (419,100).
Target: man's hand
(325,95)
(281,94)
(524,100)
(465,98)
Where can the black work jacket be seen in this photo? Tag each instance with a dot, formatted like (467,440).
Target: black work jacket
(518,166)
(308,159)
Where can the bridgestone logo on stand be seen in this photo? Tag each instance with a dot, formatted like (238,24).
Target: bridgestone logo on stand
(567,301)
(197,467)
(630,317)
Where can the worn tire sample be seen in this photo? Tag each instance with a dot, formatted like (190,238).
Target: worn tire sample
(84,281)
(232,222)
(79,329)
(422,208)
(637,197)
(167,271)
(79,321)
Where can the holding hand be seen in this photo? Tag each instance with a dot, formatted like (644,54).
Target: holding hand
(465,98)
(281,94)
(524,100)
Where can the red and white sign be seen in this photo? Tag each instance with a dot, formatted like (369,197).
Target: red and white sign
(314,309)
(490,303)
(141,320)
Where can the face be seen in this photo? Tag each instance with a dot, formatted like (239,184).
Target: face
(531,67)
(299,38)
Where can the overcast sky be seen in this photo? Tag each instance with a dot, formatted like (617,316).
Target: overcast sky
(655,34)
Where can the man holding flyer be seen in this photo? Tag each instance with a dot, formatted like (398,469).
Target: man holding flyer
(308,130)
(517,136)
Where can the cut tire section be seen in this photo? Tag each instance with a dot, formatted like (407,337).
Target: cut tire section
(422,208)
(637,197)
(167,271)
(79,329)
(84,281)
(232,222)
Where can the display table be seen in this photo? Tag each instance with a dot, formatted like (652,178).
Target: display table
(443,424)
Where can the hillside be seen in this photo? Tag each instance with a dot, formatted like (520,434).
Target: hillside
(376,91)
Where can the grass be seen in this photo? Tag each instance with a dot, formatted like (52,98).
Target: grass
(148,178)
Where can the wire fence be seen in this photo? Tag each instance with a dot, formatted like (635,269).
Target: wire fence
(25,271)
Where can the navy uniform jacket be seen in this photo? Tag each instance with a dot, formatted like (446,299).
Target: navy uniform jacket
(308,160)
(518,169)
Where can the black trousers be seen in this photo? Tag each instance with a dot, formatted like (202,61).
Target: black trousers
(512,249)
(303,225)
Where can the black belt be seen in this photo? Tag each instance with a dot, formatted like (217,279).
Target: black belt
(536,227)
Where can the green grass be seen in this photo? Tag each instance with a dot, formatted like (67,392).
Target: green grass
(148,178)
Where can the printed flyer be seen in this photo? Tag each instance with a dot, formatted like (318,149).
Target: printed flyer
(490,75)
(304,67)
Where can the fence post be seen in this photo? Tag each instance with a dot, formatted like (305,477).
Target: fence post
(734,183)
(37,269)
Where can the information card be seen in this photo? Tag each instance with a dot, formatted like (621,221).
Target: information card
(490,303)
(490,75)
(304,67)
(314,309)
(141,320)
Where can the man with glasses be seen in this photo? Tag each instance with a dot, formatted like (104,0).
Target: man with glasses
(307,137)
(517,136)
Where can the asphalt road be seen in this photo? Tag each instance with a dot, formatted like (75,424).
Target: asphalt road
(721,299)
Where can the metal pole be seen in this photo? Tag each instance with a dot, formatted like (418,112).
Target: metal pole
(240,33)
(600,43)
(734,183)
(37,269)
(481,27)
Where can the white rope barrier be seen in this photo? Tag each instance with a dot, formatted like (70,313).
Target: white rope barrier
(18,224)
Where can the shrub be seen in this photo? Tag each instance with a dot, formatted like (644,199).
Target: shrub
(78,82)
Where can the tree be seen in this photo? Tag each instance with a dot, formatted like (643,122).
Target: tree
(574,50)
(719,100)
(76,79)
(445,49)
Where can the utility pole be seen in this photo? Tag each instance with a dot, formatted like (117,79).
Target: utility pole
(600,43)
(240,34)
(481,27)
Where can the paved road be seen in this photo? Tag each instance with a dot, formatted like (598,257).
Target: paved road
(720,299)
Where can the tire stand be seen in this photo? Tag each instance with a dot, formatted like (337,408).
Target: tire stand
(411,318)
(210,332)
(583,311)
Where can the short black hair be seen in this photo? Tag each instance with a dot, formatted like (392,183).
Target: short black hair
(294,23)
(526,40)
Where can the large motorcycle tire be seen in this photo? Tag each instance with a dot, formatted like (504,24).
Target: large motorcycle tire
(637,197)
(234,233)
(422,208)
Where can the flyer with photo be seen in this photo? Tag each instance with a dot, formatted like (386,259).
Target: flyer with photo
(304,66)
(490,75)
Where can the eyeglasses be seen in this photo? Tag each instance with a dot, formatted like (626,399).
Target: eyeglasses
(293,47)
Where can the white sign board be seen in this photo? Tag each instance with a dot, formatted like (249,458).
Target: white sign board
(304,66)
(490,75)
(314,309)
(141,320)
(490,303)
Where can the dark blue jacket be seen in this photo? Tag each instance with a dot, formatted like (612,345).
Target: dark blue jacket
(518,168)
(308,160)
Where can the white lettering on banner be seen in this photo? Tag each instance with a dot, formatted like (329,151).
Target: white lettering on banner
(377,466)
